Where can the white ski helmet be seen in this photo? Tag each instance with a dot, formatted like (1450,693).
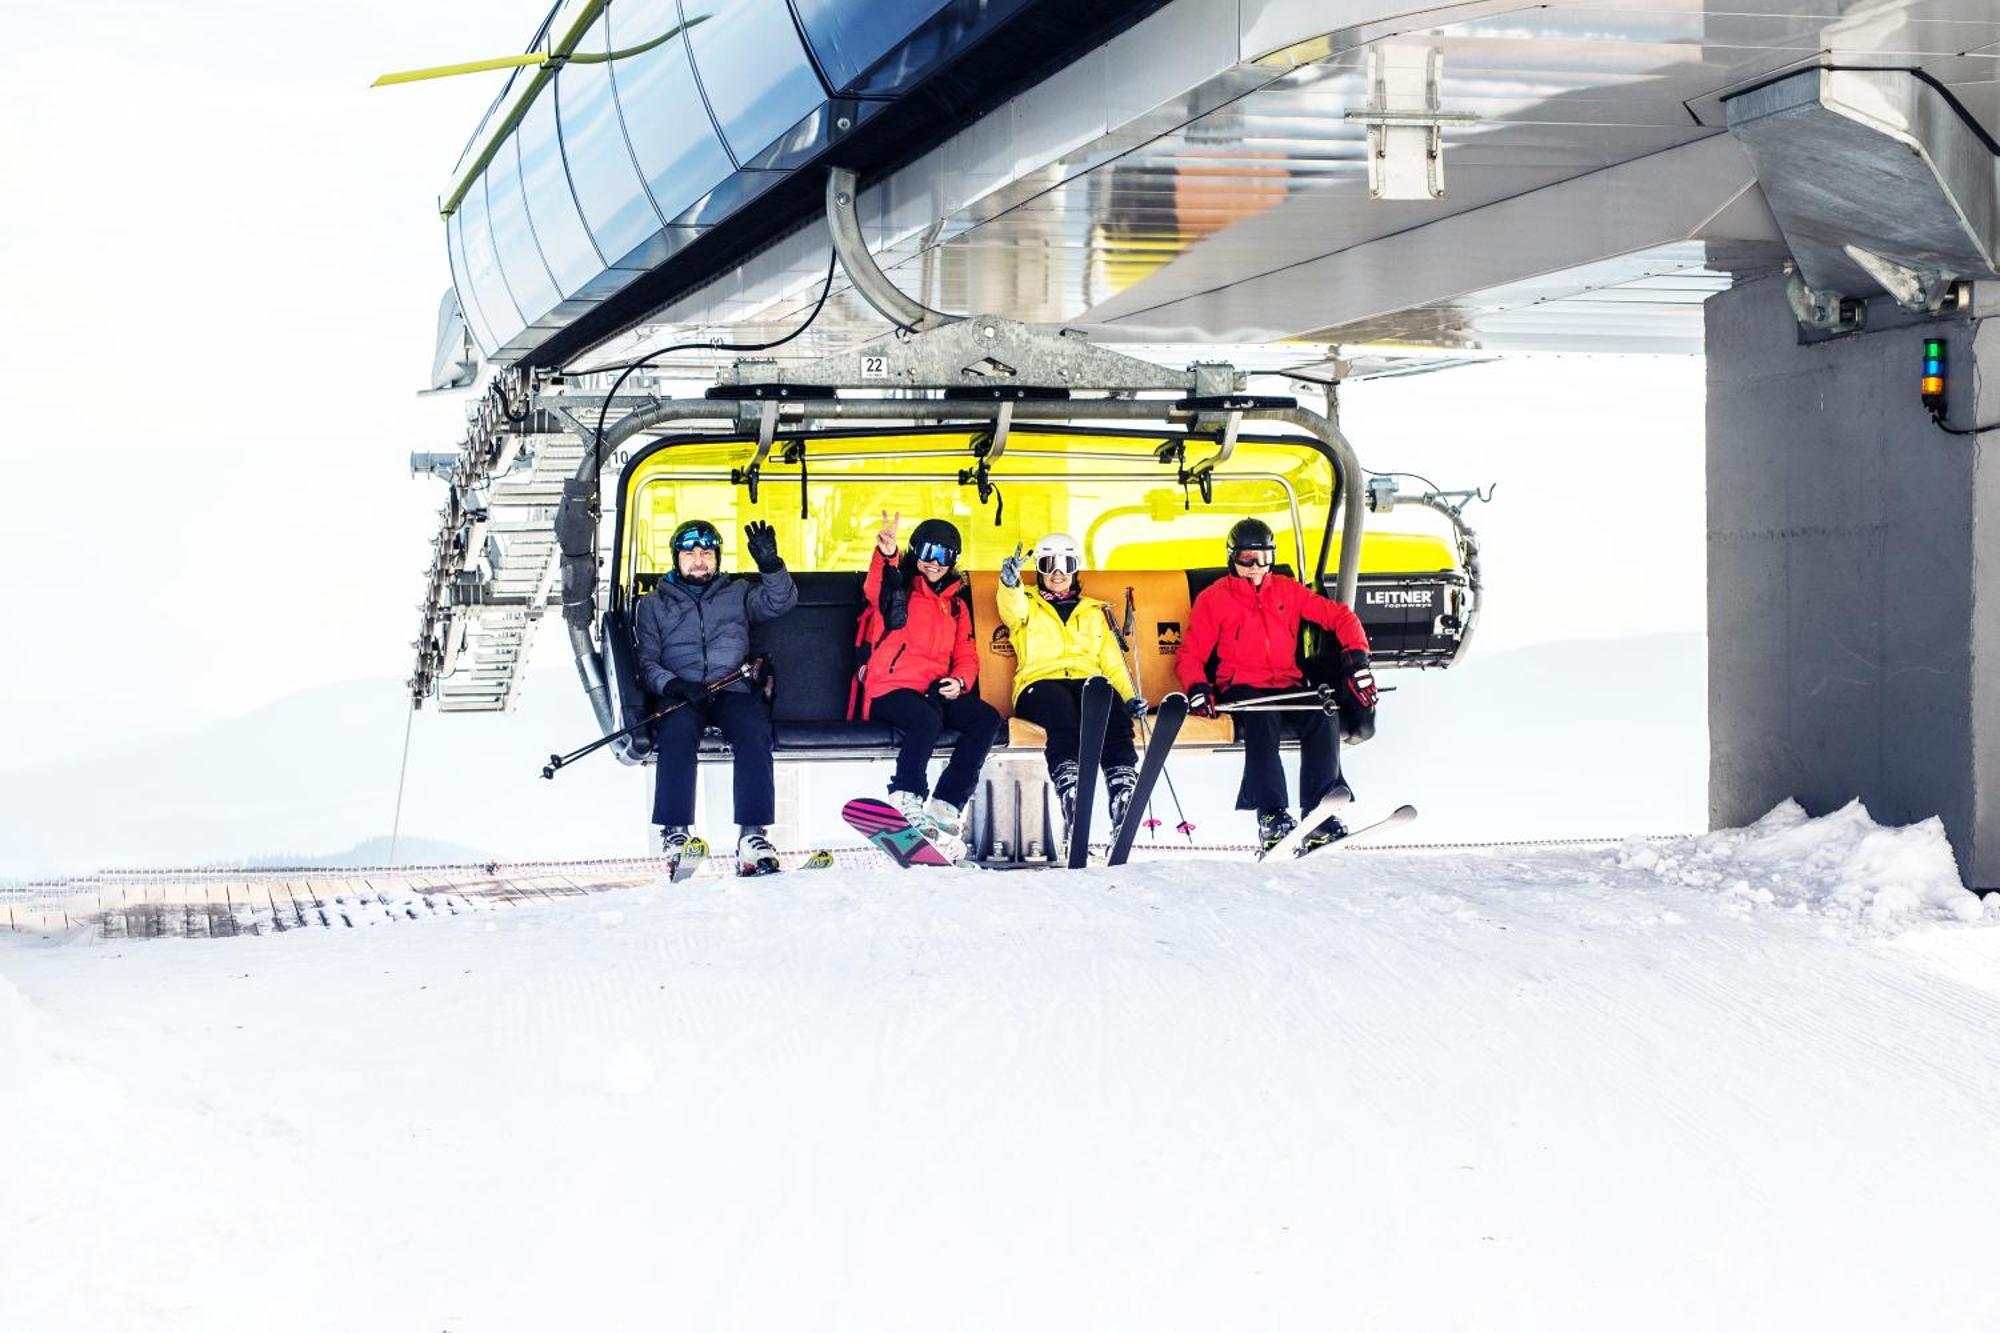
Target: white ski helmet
(1057,552)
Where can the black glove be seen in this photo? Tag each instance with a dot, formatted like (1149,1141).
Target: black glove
(679,691)
(1356,697)
(1136,705)
(1201,699)
(762,543)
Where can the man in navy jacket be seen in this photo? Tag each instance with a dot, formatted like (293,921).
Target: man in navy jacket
(694,628)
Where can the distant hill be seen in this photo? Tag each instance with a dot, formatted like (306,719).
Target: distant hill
(315,773)
(369,852)
(1552,740)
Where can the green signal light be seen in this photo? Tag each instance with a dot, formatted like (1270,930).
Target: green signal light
(1932,386)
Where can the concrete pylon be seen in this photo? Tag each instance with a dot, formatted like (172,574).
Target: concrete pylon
(1854,570)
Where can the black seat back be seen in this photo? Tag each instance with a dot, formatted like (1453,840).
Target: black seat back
(811,648)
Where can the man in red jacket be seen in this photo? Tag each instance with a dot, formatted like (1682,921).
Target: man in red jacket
(921,675)
(1242,642)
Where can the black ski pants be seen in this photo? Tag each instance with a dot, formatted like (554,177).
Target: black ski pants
(920,717)
(745,722)
(1056,706)
(1263,772)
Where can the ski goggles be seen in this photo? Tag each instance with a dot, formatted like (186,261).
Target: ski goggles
(1256,557)
(936,552)
(1057,564)
(697,541)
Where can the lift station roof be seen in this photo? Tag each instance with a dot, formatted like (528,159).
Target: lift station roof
(1198,171)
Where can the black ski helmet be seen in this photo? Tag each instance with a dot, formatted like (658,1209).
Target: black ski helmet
(938,532)
(695,532)
(1250,534)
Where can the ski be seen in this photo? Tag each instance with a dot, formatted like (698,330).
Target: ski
(819,860)
(689,861)
(1285,847)
(1098,696)
(1166,726)
(1396,818)
(884,826)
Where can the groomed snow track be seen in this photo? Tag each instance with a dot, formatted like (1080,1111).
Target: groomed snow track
(207,903)
(1739,1082)
(198,903)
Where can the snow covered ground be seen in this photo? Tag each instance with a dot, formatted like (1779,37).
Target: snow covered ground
(1749,1081)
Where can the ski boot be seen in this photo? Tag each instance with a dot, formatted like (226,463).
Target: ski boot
(1272,828)
(949,822)
(911,806)
(1120,782)
(1065,775)
(754,853)
(682,850)
(1328,830)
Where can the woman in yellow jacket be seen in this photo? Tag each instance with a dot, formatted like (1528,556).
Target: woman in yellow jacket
(1061,639)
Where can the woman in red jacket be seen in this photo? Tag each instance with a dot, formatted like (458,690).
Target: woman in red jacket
(1242,641)
(921,674)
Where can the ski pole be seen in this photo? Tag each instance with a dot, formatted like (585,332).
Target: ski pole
(1269,708)
(1184,827)
(1131,647)
(747,671)
(1323,701)
(1130,642)
(1285,697)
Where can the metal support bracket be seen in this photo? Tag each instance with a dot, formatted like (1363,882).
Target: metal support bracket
(1406,97)
(767,433)
(997,357)
(1828,312)
(1222,414)
(842,220)
(994,445)
(1203,472)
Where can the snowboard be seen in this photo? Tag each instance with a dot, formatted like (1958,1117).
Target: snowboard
(1098,697)
(883,825)
(1166,726)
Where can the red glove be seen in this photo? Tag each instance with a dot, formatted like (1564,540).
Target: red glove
(1358,679)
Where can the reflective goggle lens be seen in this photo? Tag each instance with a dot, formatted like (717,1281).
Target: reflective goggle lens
(936,551)
(696,541)
(1057,564)
(1254,557)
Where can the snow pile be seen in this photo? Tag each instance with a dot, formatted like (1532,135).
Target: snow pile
(1843,865)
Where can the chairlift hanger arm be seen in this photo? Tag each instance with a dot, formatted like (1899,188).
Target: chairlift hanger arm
(843,222)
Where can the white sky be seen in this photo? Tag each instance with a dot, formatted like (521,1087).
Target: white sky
(219,280)
(218,288)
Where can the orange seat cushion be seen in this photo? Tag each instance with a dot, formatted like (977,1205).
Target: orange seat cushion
(1159,618)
